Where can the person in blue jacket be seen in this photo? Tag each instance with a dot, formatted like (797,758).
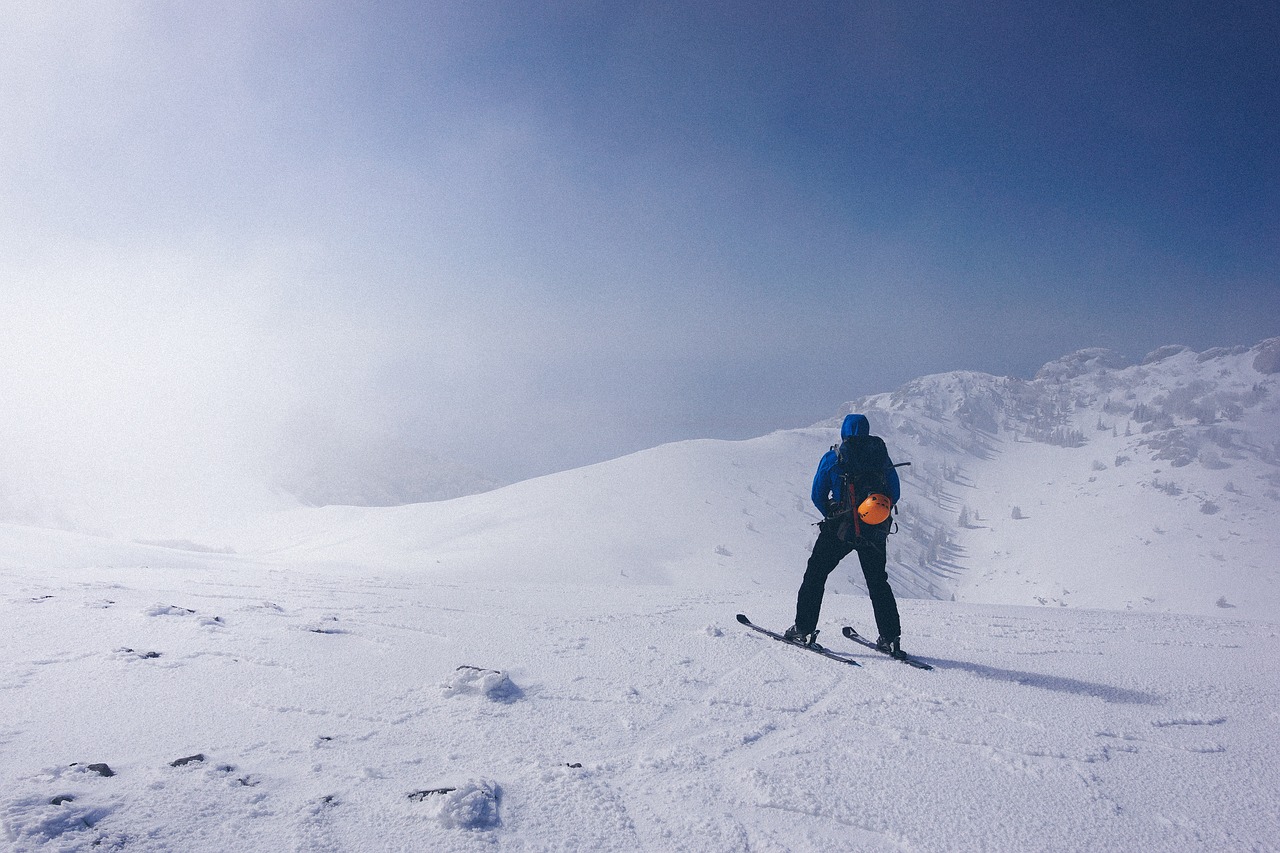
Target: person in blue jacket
(837,539)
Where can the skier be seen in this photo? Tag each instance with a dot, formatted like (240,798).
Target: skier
(849,490)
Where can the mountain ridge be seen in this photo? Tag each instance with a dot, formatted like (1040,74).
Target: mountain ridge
(1147,486)
(1080,457)
(1100,483)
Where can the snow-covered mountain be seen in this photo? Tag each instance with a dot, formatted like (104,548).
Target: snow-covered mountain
(554,665)
(1098,484)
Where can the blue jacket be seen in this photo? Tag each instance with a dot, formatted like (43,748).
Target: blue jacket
(827,481)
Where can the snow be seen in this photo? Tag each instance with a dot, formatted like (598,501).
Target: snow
(614,718)
(555,665)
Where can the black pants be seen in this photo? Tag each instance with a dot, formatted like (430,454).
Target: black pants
(828,551)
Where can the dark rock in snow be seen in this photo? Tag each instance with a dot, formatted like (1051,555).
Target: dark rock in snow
(190,759)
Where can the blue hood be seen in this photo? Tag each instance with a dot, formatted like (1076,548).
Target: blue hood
(826,482)
(854,425)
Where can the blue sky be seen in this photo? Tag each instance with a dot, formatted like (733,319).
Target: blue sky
(533,236)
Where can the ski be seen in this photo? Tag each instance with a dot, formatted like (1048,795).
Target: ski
(904,657)
(825,652)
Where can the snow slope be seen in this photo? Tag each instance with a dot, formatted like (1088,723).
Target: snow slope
(555,665)
(1148,487)
(326,704)
(695,512)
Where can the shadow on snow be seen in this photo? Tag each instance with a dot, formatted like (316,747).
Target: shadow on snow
(1105,692)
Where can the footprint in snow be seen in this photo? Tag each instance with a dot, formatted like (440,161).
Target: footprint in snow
(168,610)
(132,654)
(327,628)
(268,606)
(184,612)
(61,823)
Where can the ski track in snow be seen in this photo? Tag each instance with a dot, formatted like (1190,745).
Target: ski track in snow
(638,718)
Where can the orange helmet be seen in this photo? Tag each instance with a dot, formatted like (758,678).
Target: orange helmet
(875,509)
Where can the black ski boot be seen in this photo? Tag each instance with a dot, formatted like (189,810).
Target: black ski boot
(891,647)
(791,635)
